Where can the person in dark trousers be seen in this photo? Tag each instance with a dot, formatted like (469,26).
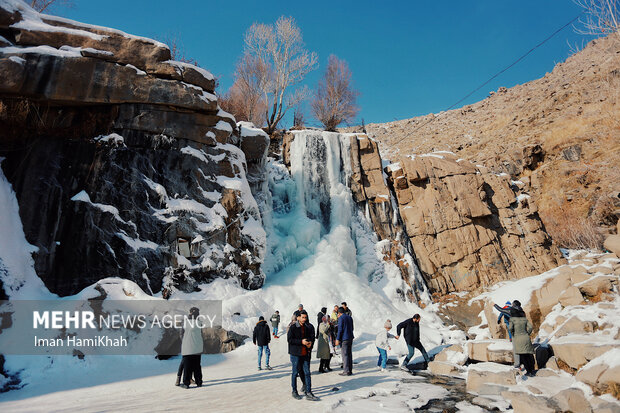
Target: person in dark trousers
(300,339)
(412,338)
(345,337)
(275,321)
(191,349)
(319,319)
(507,312)
(504,312)
(261,337)
(521,328)
(347,310)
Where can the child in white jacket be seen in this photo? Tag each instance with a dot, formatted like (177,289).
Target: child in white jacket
(382,344)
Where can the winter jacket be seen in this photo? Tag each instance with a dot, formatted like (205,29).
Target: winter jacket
(348,312)
(322,348)
(382,339)
(521,328)
(192,338)
(345,328)
(334,317)
(275,320)
(504,312)
(412,331)
(262,334)
(319,320)
(296,334)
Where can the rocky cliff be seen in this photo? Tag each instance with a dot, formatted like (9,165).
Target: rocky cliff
(463,226)
(560,134)
(121,160)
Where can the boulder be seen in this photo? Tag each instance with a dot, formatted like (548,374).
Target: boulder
(491,389)
(603,373)
(453,354)
(547,372)
(552,364)
(571,296)
(572,400)
(522,402)
(497,351)
(489,373)
(612,243)
(575,325)
(598,284)
(577,353)
(443,368)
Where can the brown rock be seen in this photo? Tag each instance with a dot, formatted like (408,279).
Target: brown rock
(571,296)
(572,400)
(612,243)
(525,403)
(598,284)
(479,376)
(577,354)
(442,368)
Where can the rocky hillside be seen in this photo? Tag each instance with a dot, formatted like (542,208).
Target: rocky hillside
(559,134)
(122,163)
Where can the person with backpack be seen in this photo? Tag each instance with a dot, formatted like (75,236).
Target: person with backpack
(261,337)
(411,326)
(275,321)
(504,312)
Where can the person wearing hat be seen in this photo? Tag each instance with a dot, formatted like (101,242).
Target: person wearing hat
(192,346)
(504,312)
(383,345)
(261,337)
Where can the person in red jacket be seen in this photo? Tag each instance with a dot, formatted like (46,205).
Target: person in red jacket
(300,339)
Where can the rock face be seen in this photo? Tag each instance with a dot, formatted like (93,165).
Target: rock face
(468,227)
(121,160)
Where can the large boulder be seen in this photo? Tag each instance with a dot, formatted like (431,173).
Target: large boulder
(489,373)
(598,284)
(577,351)
(497,351)
(443,368)
(572,400)
(522,402)
(602,373)
(453,354)
(612,243)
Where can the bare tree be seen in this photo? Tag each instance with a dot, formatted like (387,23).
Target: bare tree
(280,49)
(45,5)
(601,17)
(334,98)
(177,50)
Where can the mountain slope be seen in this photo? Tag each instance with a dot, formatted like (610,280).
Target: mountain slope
(561,133)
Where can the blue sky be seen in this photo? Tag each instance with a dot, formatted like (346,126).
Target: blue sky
(408,58)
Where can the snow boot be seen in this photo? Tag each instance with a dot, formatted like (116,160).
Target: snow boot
(268,368)
(311,397)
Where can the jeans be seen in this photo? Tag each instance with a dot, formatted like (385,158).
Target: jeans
(411,348)
(275,331)
(528,362)
(260,354)
(382,358)
(347,356)
(191,365)
(301,363)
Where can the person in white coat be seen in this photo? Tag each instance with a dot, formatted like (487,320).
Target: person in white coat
(382,343)
(191,349)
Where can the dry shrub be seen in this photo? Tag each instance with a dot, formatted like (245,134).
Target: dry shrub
(563,366)
(571,229)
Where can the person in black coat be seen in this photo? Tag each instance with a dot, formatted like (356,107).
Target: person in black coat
(412,338)
(301,337)
(261,337)
(319,319)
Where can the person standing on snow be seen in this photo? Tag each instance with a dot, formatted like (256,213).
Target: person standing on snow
(322,351)
(521,328)
(347,310)
(381,341)
(319,319)
(300,339)
(191,348)
(275,321)
(412,338)
(261,338)
(345,337)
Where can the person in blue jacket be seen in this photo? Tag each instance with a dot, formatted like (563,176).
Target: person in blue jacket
(345,338)
(504,312)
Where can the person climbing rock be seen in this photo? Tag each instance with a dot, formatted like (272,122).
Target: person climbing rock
(411,327)
(521,328)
